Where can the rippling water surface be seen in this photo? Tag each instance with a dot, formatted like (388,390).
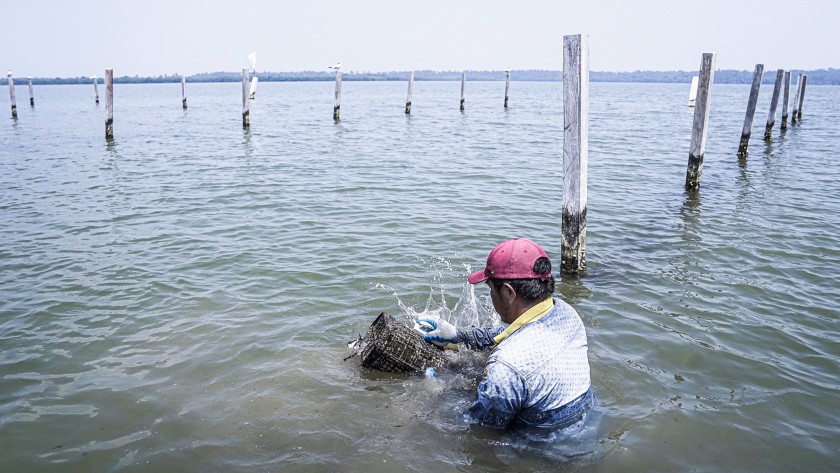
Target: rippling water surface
(179,299)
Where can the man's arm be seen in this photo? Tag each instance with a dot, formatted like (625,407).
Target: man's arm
(476,338)
(473,337)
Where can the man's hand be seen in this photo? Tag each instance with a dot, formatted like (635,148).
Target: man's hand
(442,333)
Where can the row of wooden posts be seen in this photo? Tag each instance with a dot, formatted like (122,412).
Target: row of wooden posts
(247,93)
(575,129)
(337,106)
(109,98)
(783,79)
(12,94)
(701,113)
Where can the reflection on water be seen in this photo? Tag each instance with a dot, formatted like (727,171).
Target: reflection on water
(247,146)
(690,212)
(572,288)
(112,149)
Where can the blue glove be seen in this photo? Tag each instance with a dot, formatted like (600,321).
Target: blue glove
(440,332)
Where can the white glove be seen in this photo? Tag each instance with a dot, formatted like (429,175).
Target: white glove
(438,331)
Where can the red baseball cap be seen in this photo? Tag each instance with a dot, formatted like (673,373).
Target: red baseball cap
(512,259)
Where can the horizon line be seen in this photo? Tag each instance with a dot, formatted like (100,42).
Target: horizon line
(405,71)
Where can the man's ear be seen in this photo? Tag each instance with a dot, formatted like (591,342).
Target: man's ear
(507,292)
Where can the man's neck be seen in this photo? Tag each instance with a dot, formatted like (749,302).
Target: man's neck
(521,308)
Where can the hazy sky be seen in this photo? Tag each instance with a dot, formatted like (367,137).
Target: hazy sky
(66,39)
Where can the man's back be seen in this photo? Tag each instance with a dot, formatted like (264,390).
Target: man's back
(537,371)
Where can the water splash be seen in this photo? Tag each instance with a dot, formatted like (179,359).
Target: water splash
(468,309)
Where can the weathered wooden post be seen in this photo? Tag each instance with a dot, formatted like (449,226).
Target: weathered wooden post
(95,88)
(701,119)
(246,118)
(109,104)
(463,83)
(507,87)
(795,107)
(337,106)
(575,152)
(184,91)
(410,90)
(31,95)
(12,94)
(802,96)
(785,98)
(774,102)
(751,103)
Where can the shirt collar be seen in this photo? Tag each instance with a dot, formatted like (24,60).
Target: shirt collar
(534,313)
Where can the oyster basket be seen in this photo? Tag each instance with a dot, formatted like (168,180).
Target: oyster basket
(393,347)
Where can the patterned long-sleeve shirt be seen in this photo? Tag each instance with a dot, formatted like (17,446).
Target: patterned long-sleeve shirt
(537,376)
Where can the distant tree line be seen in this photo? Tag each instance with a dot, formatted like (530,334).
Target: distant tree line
(829,76)
(722,76)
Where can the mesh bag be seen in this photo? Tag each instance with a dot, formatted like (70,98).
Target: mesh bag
(393,347)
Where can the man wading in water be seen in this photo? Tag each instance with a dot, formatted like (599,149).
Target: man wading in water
(538,373)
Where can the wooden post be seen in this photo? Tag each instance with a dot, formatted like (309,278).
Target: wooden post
(95,88)
(109,104)
(802,96)
(410,89)
(774,101)
(337,106)
(463,82)
(575,152)
(246,118)
(701,119)
(12,94)
(507,87)
(795,107)
(786,97)
(31,95)
(751,103)
(184,91)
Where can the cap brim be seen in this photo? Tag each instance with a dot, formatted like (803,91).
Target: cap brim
(477,277)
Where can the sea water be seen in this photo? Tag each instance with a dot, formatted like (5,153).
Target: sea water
(181,298)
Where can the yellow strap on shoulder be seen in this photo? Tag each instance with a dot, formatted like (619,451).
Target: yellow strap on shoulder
(530,315)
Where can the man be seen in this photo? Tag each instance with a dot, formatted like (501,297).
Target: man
(537,374)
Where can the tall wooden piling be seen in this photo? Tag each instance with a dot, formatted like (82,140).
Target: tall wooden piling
(109,104)
(774,102)
(793,108)
(95,89)
(246,112)
(12,94)
(463,83)
(337,106)
(751,103)
(31,95)
(786,97)
(801,96)
(410,90)
(575,152)
(701,120)
(184,91)
(507,87)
